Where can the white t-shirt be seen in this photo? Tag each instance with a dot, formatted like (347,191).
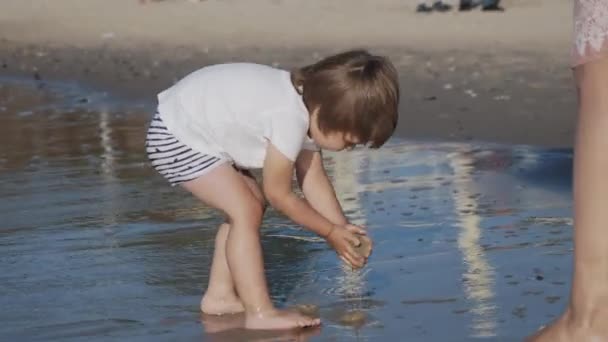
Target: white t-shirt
(232,110)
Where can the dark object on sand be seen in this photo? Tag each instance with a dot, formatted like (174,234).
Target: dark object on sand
(467,5)
(423,8)
(441,7)
(491,5)
(438,6)
(486,5)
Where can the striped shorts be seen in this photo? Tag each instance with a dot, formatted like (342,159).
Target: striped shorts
(175,161)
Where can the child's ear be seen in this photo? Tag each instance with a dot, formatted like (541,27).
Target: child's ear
(350,137)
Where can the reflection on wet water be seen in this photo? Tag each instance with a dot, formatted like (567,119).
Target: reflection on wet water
(470,240)
(479,275)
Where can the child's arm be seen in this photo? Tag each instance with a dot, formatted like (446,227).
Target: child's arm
(277,176)
(320,194)
(317,189)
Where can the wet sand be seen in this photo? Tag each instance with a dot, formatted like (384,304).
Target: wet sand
(472,240)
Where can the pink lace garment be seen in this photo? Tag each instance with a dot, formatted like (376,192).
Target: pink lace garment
(590,31)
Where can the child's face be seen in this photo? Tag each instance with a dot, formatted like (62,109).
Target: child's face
(332,141)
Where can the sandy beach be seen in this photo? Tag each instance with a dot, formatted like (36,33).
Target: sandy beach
(501,77)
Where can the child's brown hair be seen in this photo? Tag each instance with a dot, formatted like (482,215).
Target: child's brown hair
(356,92)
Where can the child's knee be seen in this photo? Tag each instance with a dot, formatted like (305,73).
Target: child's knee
(250,213)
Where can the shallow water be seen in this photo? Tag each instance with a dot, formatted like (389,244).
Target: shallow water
(472,241)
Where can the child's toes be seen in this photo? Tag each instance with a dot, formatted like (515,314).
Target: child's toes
(305,323)
(314,322)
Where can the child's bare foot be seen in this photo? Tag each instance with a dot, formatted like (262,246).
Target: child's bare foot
(216,305)
(279,320)
(567,329)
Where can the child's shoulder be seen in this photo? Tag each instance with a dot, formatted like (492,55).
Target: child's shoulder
(239,72)
(240,67)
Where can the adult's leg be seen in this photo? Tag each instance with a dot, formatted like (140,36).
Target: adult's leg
(586,316)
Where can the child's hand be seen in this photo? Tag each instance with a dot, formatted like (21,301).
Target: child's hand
(346,240)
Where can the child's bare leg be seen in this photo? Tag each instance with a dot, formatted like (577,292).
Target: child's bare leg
(585,318)
(224,189)
(220,297)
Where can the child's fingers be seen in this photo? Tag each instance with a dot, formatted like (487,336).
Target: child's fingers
(357,260)
(350,248)
(345,261)
(353,240)
(350,260)
(356,229)
(353,256)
